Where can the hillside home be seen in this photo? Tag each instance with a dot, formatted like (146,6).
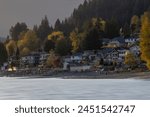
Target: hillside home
(131,41)
(121,54)
(67,59)
(77,58)
(110,54)
(43,57)
(90,55)
(105,41)
(117,42)
(135,49)
(32,59)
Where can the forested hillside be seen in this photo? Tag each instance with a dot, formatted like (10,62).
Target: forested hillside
(119,10)
(83,30)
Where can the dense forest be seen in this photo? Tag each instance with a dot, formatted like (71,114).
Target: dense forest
(119,10)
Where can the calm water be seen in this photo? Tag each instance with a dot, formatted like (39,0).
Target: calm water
(14,88)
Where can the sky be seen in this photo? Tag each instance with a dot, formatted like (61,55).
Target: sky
(32,11)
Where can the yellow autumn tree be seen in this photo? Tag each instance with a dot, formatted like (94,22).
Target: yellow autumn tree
(130,60)
(54,36)
(75,41)
(135,20)
(145,38)
(135,24)
(28,43)
(99,22)
(53,60)
(11,47)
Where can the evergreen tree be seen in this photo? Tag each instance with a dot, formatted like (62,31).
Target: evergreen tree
(91,41)
(44,29)
(111,28)
(62,47)
(17,29)
(3,54)
(122,10)
(126,31)
(35,29)
(17,53)
(57,25)
(49,45)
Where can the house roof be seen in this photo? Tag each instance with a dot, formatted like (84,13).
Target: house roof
(107,50)
(119,39)
(132,38)
(77,54)
(105,40)
(121,48)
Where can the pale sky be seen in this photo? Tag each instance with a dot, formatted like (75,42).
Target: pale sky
(32,11)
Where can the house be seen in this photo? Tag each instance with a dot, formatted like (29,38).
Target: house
(77,58)
(4,67)
(110,55)
(43,57)
(66,62)
(121,54)
(116,55)
(90,55)
(66,66)
(135,49)
(117,42)
(105,41)
(67,59)
(32,59)
(131,41)
(89,52)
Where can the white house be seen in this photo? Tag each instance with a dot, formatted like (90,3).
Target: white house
(77,57)
(131,40)
(105,41)
(121,54)
(113,56)
(44,56)
(135,50)
(31,59)
(4,67)
(110,54)
(27,59)
(116,42)
(67,59)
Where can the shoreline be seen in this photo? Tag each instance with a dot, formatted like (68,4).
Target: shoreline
(126,75)
(86,75)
